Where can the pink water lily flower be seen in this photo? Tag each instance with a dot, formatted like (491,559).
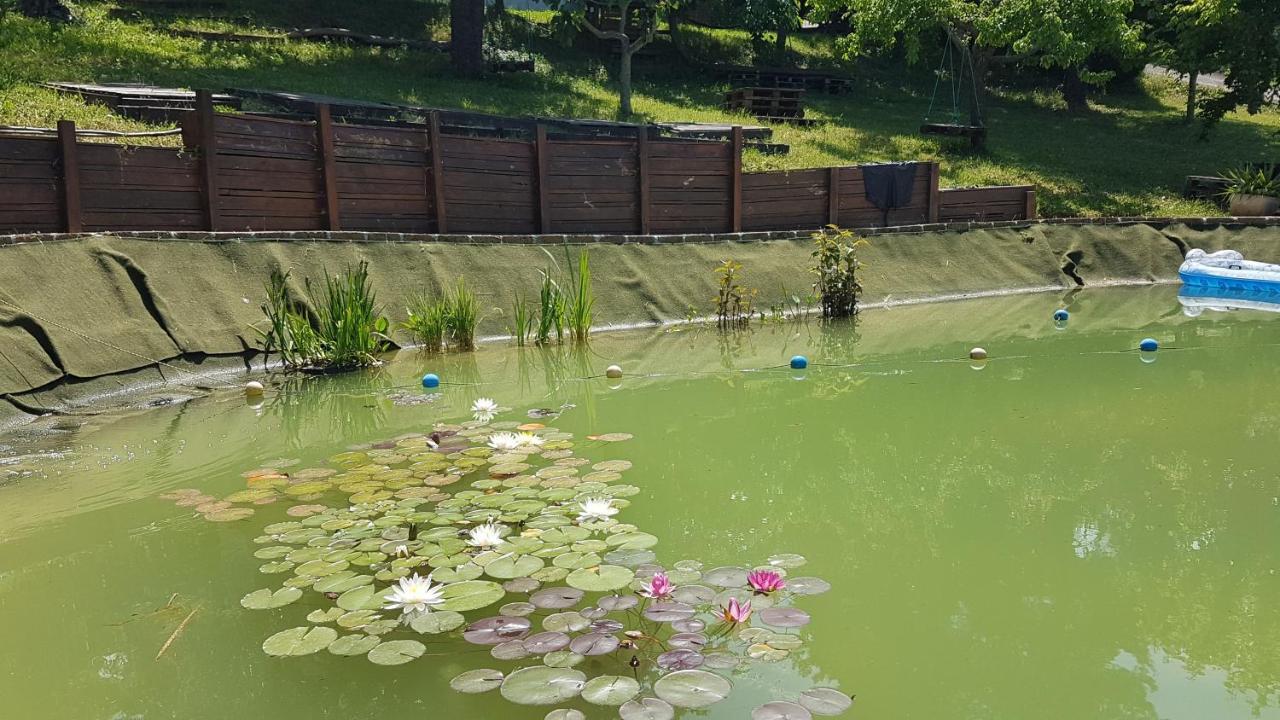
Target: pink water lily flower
(765,581)
(735,612)
(658,587)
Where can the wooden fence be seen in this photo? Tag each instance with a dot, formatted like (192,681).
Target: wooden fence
(244,172)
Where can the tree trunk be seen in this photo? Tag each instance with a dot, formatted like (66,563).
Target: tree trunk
(466,36)
(1193,79)
(54,10)
(673,27)
(781,41)
(981,66)
(624,82)
(1074,91)
(499,7)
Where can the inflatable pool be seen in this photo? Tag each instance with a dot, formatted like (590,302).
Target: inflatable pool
(1228,270)
(1195,299)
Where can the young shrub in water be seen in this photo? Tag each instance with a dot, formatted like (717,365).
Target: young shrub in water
(836,265)
(582,303)
(733,301)
(463,314)
(551,310)
(428,322)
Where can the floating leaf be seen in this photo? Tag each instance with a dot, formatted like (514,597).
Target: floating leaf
(694,594)
(556,598)
(354,644)
(784,617)
(780,710)
(565,622)
(692,688)
(562,659)
(629,557)
(434,623)
(825,701)
(565,714)
(396,652)
(614,603)
(610,690)
(766,653)
(647,709)
(273,568)
(264,599)
(787,560)
(720,660)
(613,466)
(683,659)
(545,642)
(725,577)
(517,609)
(364,597)
(509,650)
(228,514)
(494,630)
(690,640)
(477,681)
(514,566)
(325,616)
(542,685)
(594,644)
(341,582)
(521,585)
(668,612)
(808,585)
(470,595)
(299,641)
(600,579)
(692,625)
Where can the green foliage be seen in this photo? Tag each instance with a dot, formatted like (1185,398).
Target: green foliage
(1247,43)
(1251,181)
(552,308)
(835,262)
(580,306)
(462,314)
(348,329)
(428,322)
(521,320)
(733,300)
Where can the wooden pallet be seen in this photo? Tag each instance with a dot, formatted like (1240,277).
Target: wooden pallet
(141,102)
(789,78)
(767,102)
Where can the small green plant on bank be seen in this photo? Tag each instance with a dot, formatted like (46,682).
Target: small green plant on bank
(428,322)
(1247,180)
(581,305)
(836,265)
(733,300)
(348,329)
(462,316)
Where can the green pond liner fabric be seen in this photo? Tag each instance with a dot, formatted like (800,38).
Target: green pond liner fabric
(104,307)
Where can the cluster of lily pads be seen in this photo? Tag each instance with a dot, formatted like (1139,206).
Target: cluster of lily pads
(432,528)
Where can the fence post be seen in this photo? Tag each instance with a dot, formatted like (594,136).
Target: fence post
(542,153)
(736,180)
(833,196)
(1029,208)
(642,165)
(208,144)
(934,195)
(70,163)
(328,166)
(437,172)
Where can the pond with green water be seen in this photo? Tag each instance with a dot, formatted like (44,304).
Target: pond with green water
(1069,530)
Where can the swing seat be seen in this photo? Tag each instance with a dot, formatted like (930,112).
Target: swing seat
(977,134)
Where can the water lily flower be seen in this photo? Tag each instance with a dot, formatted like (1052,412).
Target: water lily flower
(402,551)
(485,536)
(596,509)
(735,612)
(659,586)
(414,595)
(484,409)
(528,438)
(765,581)
(504,441)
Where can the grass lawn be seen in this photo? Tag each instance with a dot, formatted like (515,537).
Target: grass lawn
(1128,156)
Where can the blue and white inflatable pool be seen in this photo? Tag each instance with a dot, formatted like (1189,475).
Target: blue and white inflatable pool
(1228,270)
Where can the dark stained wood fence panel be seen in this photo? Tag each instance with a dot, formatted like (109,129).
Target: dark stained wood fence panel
(785,200)
(854,210)
(690,187)
(384,178)
(268,174)
(139,188)
(593,186)
(985,203)
(489,185)
(29,195)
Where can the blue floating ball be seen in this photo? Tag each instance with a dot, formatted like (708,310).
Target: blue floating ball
(1148,345)
(799,362)
(430,380)
(1061,315)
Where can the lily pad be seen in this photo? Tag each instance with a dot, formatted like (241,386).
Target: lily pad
(440,621)
(364,597)
(354,644)
(600,579)
(325,616)
(647,709)
(509,650)
(787,560)
(784,617)
(565,622)
(565,714)
(228,514)
(396,652)
(545,642)
(692,688)
(668,612)
(808,585)
(725,577)
(299,641)
(521,585)
(494,630)
(562,659)
(514,566)
(614,603)
(683,659)
(610,690)
(477,681)
(470,595)
(542,685)
(780,710)
(825,701)
(265,599)
(594,644)
(556,598)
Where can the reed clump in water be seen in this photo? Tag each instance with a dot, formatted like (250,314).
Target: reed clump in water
(344,330)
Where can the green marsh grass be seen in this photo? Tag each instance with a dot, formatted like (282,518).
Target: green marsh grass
(348,329)
(428,322)
(552,306)
(580,309)
(462,316)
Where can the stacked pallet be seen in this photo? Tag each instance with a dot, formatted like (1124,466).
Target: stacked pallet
(141,102)
(771,104)
(789,78)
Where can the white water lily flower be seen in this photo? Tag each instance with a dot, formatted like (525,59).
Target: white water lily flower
(504,441)
(528,438)
(415,595)
(484,409)
(596,509)
(485,536)
(402,551)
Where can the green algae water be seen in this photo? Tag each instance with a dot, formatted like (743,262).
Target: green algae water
(1067,531)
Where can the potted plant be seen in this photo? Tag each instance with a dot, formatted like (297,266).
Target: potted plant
(1252,192)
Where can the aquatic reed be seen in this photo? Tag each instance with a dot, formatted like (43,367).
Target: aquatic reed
(463,314)
(581,304)
(428,322)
